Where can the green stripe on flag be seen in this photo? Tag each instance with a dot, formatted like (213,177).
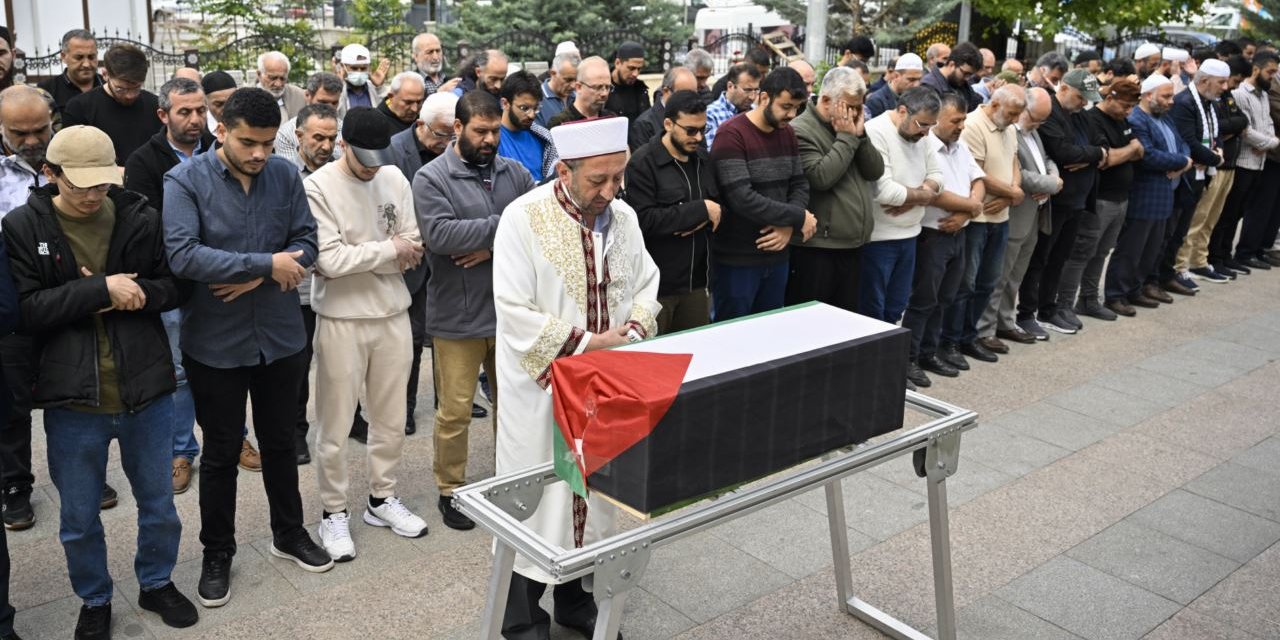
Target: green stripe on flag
(566,464)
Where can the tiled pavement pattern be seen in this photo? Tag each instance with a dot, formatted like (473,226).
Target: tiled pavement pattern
(1123,483)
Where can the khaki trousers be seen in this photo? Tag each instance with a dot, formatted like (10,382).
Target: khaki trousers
(370,354)
(1194,253)
(456,364)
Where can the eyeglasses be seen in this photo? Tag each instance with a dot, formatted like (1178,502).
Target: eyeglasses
(929,125)
(751,91)
(692,132)
(124,91)
(598,88)
(528,111)
(99,188)
(443,136)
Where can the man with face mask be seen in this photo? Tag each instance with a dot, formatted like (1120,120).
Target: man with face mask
(79,54)
(1066,140)
(1165,160)
(459,198)
(120,107)
(1246,200)
(953,74)
(353,68)
(273,75)
(524,140)
(551,300)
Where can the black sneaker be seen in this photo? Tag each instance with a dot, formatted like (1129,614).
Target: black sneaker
(478,411)
(452,517)
(94,623)
(1071,318)
(917,377)
(1059,322)
(18,514)
(109,497)
(359,429)
(214,589)
(410,425)
(300,449)
(303,551)
(174,608)
(1033,328)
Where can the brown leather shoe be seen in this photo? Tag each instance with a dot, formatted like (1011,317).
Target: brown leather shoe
(1161,295)
(1173,286)
(1143,301)
(250,460)
(994,345)
(181,475)
(1020,337)
(1121,308)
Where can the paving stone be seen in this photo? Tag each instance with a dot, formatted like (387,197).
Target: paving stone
(789,536)
(1152,457)
(703,577)
(1106,405)
(1111,491)
(1216,423)
(972,478)
(1055,425)
(1261,457)
(1209,524)
(1008,451)
(994,619)
(1191,369)
(874,506)
(1088,602)
(1227,354)
(1189,625)
(1154,561)
(1248,489)
(1151,386)
(56,619)
(1248,598)
(1250,335)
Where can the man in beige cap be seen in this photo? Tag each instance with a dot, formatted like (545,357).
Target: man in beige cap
(88,262)
(543,291)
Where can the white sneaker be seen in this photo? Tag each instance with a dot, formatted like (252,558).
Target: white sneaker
(397,517)
(335,537)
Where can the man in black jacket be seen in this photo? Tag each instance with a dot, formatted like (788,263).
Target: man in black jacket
(672,187)
(1066,140)
(89,265)
(120,106)
(953,75)
(630,96)
(183,112)
(649,125)
(8,322)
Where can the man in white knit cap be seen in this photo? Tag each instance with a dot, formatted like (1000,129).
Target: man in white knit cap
(1146,59)
(570,274)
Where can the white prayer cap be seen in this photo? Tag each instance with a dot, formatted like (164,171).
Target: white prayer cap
(567,47)
(354,54)
(1153,82)
(908,62)
(1147,50)
(591,137)
(1216,68)
(1175,54)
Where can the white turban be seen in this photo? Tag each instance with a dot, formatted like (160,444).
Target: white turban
(909,61)
(1153,82)
(1216,68)
(1174,54)
(1146,51)
(591,137)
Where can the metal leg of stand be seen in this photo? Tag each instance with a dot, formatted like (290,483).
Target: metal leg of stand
(504,560)
(942,458)
(839,541)
(609,616)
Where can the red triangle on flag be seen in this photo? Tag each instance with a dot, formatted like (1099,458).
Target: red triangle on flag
(610,400)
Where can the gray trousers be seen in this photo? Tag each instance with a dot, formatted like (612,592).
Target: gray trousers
(1002,307)
(1095,238)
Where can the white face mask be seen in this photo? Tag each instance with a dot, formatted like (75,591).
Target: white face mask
(357,78)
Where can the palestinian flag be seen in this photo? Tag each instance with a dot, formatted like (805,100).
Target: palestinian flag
(664,422)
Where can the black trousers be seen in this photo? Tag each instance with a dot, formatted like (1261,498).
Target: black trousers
(6,609)
(15,437)
(523,614)
(825,275)
(1262,215)
(1175,232)
(1243,190)
(304,384)
(220,396)
(1038,294)
(1137,251)
(940,265)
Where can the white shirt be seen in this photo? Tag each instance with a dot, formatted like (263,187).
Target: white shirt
(907,165)
(959,170)
(1035,151)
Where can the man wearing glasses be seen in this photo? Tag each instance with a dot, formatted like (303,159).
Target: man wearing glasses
(739,94)
(591,91)
(120,107)
(459,199)
(672,186)
(952,75)
(524,140)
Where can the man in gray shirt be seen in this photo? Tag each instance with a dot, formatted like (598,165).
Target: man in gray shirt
(233,219)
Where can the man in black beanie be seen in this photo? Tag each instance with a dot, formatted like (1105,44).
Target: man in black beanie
(630,96)
(218,86)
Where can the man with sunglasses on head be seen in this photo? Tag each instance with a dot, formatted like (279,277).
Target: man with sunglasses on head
(524,140)
(120,107)
(672,186)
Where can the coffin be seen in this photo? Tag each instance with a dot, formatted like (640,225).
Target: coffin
(661,423)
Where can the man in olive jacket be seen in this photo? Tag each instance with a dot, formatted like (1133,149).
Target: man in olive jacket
(672,187)
(842,168)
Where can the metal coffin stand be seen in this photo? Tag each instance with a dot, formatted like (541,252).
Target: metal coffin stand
(615,565)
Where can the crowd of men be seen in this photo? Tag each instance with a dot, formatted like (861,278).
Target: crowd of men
(173,258)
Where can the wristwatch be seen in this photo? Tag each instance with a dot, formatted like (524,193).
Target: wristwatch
(633,336)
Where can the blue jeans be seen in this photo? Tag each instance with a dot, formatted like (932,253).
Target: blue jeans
(184,407)
(742,291)
(984,264)
(887,268)
(78,443)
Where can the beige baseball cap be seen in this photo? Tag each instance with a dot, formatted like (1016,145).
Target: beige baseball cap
(86,155)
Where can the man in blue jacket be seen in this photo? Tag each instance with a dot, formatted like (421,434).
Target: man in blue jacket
(1165,159)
